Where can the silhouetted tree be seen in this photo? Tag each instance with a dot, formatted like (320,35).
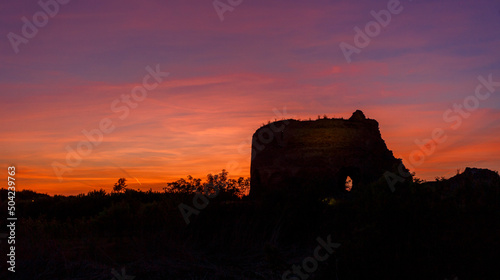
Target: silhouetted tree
(219,183)
(120,185)
(184,186)
(216,183)
(97,193)
(229,188)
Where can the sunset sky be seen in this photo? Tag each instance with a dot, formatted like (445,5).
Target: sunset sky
(265,60)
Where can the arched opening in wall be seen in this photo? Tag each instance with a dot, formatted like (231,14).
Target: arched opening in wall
(348,184)
(348,179)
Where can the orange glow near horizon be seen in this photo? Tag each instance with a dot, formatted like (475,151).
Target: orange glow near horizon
(234,156)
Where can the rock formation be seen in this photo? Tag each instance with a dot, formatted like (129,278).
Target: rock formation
(318,156)
(471,178)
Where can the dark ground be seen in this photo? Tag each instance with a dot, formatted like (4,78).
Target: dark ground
(421,231)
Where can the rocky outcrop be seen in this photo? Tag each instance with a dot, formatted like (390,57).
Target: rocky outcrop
(318,155)
(475,187)
(472,178)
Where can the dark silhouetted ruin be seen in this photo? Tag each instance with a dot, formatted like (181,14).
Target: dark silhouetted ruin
(319,155)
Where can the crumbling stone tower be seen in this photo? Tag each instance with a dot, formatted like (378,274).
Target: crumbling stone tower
(290,155)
